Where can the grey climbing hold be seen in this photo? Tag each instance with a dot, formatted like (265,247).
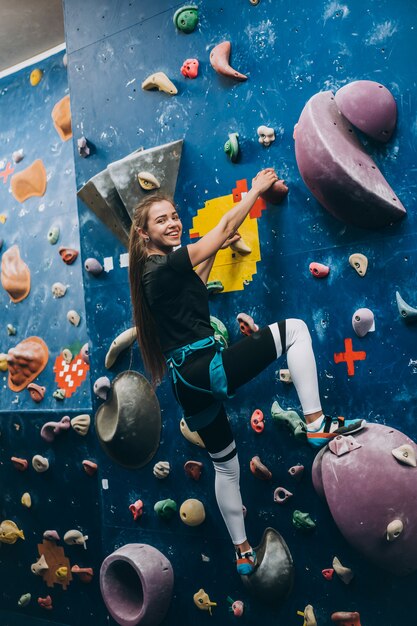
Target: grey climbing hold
(73,317)
(58,290)
(53,235)
(40,464)
(93,266)
(344,573)
(102,386)
(119,344)
(75,537)
(83,147)
(394,530)
(405,454)
(363,322)
(161,469)
(11,330)
(407,312)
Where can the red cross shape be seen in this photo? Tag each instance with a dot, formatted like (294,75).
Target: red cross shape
(349,357)
(6,173)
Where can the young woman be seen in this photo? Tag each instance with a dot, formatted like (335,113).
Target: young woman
(171,313)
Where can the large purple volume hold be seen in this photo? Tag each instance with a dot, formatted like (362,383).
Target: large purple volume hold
(136,583)
(367,489)
(338,171)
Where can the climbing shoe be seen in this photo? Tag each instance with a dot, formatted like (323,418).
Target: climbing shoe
(246,562)
(330,427)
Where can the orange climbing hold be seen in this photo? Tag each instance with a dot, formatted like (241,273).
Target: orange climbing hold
(15,275)
(61,117)
(26,361)
(29,182)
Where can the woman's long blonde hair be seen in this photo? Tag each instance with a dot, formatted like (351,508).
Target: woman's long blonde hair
(147,332)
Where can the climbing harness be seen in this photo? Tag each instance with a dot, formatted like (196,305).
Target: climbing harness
(218,379)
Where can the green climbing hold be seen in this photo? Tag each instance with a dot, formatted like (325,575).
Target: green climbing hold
(231,147)
(186,18)
(166,509)
(302,521)
(53,235)
(221,333)
(214,286)
(290,419)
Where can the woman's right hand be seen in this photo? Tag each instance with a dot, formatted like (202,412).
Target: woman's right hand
(264,180)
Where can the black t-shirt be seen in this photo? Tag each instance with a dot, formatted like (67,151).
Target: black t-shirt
(178,299)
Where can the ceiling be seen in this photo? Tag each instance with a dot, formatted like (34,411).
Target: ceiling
(28,28)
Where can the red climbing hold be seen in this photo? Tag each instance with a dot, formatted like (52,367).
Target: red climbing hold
(257,421)
(136,509)
(328,573)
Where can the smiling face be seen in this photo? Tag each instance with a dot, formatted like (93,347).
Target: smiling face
(163,228)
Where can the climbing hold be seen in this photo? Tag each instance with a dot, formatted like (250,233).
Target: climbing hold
(26,500)
(90,467)
(407,312)
(18,155)
(359,262)
(35,76)
(246,324)
(26,361)
(85,574)
(29,182)
(405,454)
(219,59)
(202,601)
(122,341)
(296,471)
(3,362)
(61,573)
(189,68)
(338,171)
(40,464)
(83,148)
(51,429)
(281,495)
(46,603)
(136,509)
(394,530)
(309,617)
(192,512)
(276,193)
(75,537)
(61,117)
(67,355)
(51,535)
(193,469)
(136,583)
(84,353)
(59,394)
(161,469)
(40,566)
(68,255)
(344,573)
(237,607)
(81,424)
(266,135)
(342,444)
(11,330)
(159,81)
(221,333)
(328,573)
(343,618)
(363,322)
(257,421)
(186,18)
(58,290)
(214,286)
(259,470)
(302,521)
(73,317)
(128,424)
(24,599)
(231,147)
(166,509)
(192,437)
(102,387)
(272,580)
(285,376)
(148,181)
(290,419)
(9,532)
(241,247)
(20,464)
(15,275)
(53,235)
(93,266)
(37,393)
(319,270)
(369,106)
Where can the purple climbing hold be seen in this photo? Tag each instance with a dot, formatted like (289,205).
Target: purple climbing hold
(136,583)
(93,266)
(363,321)
(370,107)
(102,387)
(337,169)
(281,495)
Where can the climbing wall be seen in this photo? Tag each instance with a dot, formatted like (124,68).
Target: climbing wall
(288,55)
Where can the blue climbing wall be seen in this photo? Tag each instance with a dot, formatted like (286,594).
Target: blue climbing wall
(288,54)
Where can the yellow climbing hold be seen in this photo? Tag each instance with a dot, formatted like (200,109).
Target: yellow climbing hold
(160,81)
(3,218)
(202,600)
(61,573)
(26,500)
(35,77)
(9,532)
(3,362)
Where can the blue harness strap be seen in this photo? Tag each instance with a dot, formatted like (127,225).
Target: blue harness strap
(218,379)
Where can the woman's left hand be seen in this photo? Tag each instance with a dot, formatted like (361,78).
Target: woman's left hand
(232,239)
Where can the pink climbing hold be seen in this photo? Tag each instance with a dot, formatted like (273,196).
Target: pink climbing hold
(296,471)
(189,68)
(281,495)
(246,324)
(328,573)
(37,393)
(238,607)
(259,470)
(90,467)
(219,59)
(136,509)
(319,270)
(342,444)
(193,469)
(257,421)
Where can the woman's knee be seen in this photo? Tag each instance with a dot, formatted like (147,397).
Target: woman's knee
(296,329)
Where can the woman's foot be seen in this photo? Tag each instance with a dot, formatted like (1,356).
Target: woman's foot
(325,428)
(246,562)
